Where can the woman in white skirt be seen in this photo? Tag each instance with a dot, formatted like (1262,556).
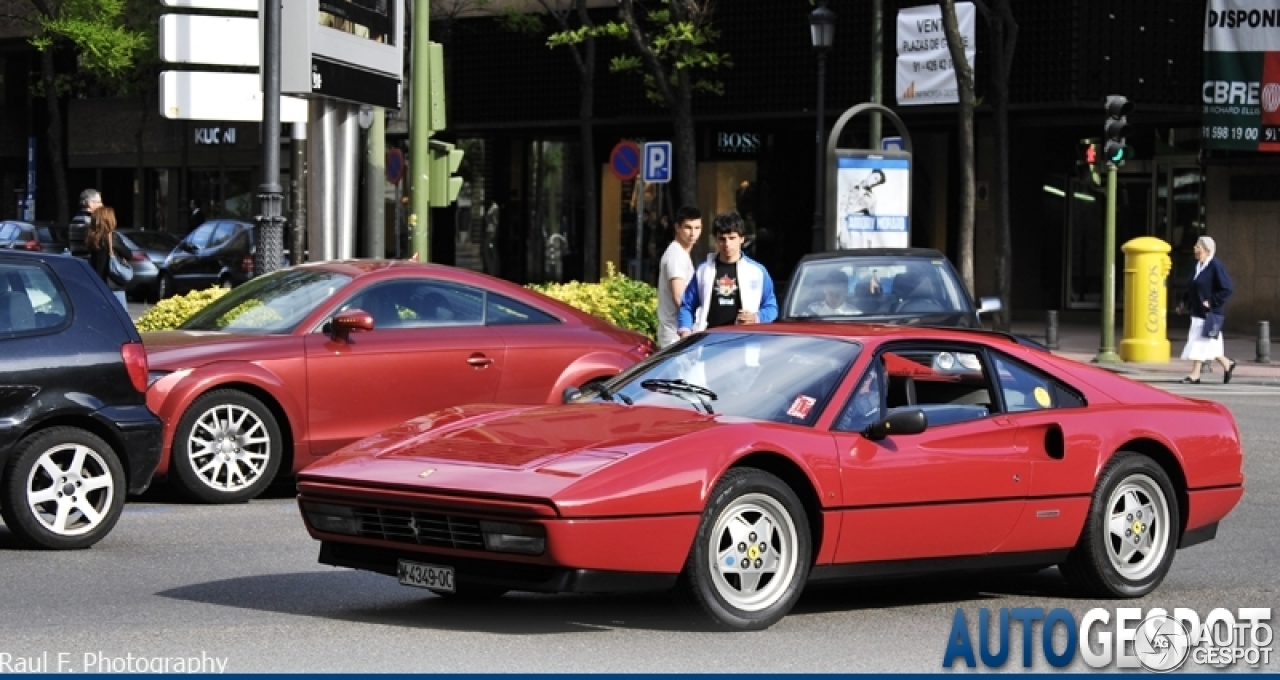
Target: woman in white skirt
(1207,291)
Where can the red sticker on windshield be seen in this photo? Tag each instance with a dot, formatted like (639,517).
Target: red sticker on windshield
(801,406)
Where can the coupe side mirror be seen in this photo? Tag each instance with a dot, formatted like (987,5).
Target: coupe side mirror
(987,305)
(344,323)
(906,421)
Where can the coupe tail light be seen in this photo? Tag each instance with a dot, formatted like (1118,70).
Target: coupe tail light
(135,362)
(32,245)
(246,264)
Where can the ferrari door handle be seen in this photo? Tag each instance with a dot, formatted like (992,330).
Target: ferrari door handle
(479,360)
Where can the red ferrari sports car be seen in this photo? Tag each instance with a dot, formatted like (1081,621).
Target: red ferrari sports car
(296,364)
(742,463)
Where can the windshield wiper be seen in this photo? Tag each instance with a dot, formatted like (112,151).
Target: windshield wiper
(682,389)
(603,391)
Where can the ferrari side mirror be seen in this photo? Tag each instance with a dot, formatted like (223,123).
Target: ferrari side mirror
(906,421)
(570,393)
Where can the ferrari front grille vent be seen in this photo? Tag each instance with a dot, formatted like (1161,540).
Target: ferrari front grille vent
(422,528)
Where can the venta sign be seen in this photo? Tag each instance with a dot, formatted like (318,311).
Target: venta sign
(215,136)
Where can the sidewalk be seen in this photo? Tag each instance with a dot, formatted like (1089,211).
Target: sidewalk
(1081,342)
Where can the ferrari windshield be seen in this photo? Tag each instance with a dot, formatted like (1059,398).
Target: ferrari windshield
(858,286)
(275,303)
(778,378)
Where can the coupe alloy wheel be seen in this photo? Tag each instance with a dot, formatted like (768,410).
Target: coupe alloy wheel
(752,553)
(227,448)
(1138,527)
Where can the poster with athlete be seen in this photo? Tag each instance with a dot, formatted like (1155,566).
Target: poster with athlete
(872,202)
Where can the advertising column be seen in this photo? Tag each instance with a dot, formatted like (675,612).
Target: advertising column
(1241,90)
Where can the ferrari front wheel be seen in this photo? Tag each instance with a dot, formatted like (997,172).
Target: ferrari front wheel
(751,555)
(1130,534)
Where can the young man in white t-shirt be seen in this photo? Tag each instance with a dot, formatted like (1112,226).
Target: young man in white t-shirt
(674,272)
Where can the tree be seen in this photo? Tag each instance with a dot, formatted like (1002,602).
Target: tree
(106,48)
(1004,38)
(964,79)
(675,50)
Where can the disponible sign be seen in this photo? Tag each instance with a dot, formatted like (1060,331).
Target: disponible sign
(925,72)
(873,202)
(1240,96)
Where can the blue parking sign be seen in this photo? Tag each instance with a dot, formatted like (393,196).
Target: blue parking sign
(657,162)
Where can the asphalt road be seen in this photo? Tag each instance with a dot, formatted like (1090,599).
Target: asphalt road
(240,585)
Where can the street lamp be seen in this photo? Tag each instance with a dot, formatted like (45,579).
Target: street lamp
(822,26)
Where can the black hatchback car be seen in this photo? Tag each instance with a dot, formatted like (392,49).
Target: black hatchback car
(75,432)
(883,285)
(216,253)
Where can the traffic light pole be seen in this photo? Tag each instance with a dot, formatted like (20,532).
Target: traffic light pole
(420,133)
(1107,354)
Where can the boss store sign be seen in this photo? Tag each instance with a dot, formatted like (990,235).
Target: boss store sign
(733,144)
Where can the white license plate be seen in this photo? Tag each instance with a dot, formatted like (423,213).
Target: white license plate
(429,576)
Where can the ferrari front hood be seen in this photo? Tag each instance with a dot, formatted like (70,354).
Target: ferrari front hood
(502,450)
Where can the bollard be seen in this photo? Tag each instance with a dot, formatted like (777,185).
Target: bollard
(1264,342)
(1051,330)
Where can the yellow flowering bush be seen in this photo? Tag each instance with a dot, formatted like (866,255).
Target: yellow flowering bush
(169,313)
(618,299)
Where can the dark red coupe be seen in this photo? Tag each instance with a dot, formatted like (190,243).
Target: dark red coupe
(296,364)
(743,463)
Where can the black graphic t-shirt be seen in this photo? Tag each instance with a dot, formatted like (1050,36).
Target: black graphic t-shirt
(726,299)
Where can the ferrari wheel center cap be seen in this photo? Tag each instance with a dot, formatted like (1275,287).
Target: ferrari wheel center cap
(1138,528)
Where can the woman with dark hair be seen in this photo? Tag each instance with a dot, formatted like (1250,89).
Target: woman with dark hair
(102,243)
(1207,293)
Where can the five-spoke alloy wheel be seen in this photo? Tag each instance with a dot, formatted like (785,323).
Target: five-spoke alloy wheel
(227,447)
(752,552)
(1131,533)
(63,488)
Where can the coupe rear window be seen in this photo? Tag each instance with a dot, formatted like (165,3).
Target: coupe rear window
(275,303)
(853,287)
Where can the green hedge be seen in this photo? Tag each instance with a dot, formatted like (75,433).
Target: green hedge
(617,299)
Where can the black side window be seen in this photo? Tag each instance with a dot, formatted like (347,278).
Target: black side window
(420,304)
(503,311)
(200,237)
(1028,389)
(31,300)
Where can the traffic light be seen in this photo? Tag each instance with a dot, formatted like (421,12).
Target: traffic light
(1089,161)
(1114,149)
(443,186)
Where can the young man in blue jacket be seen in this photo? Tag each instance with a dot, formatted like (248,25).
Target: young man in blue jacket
(729,287)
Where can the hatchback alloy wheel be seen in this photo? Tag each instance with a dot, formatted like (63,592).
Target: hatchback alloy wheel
(63,489)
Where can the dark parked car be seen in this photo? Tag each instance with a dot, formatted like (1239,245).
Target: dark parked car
(15,235)
(150,250)
(75,431)
(883,285)
(216,253)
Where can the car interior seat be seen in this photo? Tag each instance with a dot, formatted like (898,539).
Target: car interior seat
(383,310)
(902,391)
(435,307)
(16,312)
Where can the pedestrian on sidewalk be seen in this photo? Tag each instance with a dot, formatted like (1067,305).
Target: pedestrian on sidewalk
(674,273)
(1206,296)
(729,287)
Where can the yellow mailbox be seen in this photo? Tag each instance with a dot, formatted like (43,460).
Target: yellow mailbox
(1146,300)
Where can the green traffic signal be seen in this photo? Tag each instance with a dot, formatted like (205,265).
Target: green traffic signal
(1115,151)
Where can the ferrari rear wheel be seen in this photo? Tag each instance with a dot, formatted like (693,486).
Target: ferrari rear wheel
(1131,532)
(227,448)
(752,553)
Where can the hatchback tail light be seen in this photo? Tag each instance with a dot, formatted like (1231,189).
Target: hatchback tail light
(139,256)
(135,362)
(246,264)
(32,245)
